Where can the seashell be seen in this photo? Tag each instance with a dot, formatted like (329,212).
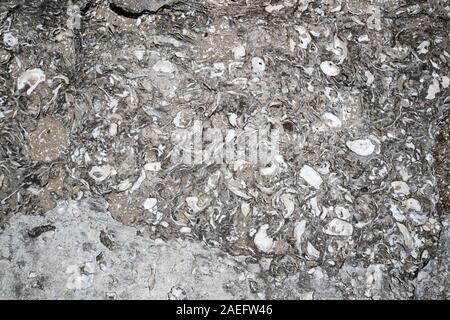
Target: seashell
(413,204)
(262,241)
(124,185)
(181,120)
(31,78)
(343,213)
(445,82)
(370,77)
(423,47)
(139,54)
(400,187)
(304,37)
(338,227)
(329,68)
(9,40)
(153,166)
(299,230)
(312,252)
(238,52)
(192,203)
(275,8)
(433,89)
(150,203)
(362,147)
(245,208)
(100,174)
(258,65)
(340,49)
(288,201)
(311,176)
(407,239)
(331,120)
(396,213)
(164,66)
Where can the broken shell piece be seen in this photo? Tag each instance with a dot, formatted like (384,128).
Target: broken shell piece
(124,185)
(370,77)
(245,208)
(192,203)
(9,40)
(262,241)
(362,147)
(331,120)
(413,204)
(340,49)
(164,66)
(150,204)
(433,89)
(239,52)
(31,78)
(100,174)
(258,65)
(423,47)
(153,166)
(400,187)
(330,68)
(304,37)
(313,253)
(288,202)
(311,176)
(338,227)
(299,230)
(275,8)
(343,213)
(407,239)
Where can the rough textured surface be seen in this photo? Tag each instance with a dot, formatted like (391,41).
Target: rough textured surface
(139,6)
(94,102)
(87,254)
(77,251)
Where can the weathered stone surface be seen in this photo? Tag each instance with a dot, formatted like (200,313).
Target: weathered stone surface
(88,254)
(138,6)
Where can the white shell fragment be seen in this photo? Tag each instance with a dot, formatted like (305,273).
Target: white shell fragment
(164,66)
(313,253)
(407,239)
(311,176)
(30,78)
(262,241)
(100,174)
(362,147)
(275,8)
(339,227)
(400,188)
(330,68)
(239,52)
(331,120)
(413,204)
(304,37)
(153,166)
(433,89)
(150,203)
(288,202)
(258,65)
(10,40)
(299,230)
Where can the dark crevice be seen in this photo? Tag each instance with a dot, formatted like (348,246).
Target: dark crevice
(122,12)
